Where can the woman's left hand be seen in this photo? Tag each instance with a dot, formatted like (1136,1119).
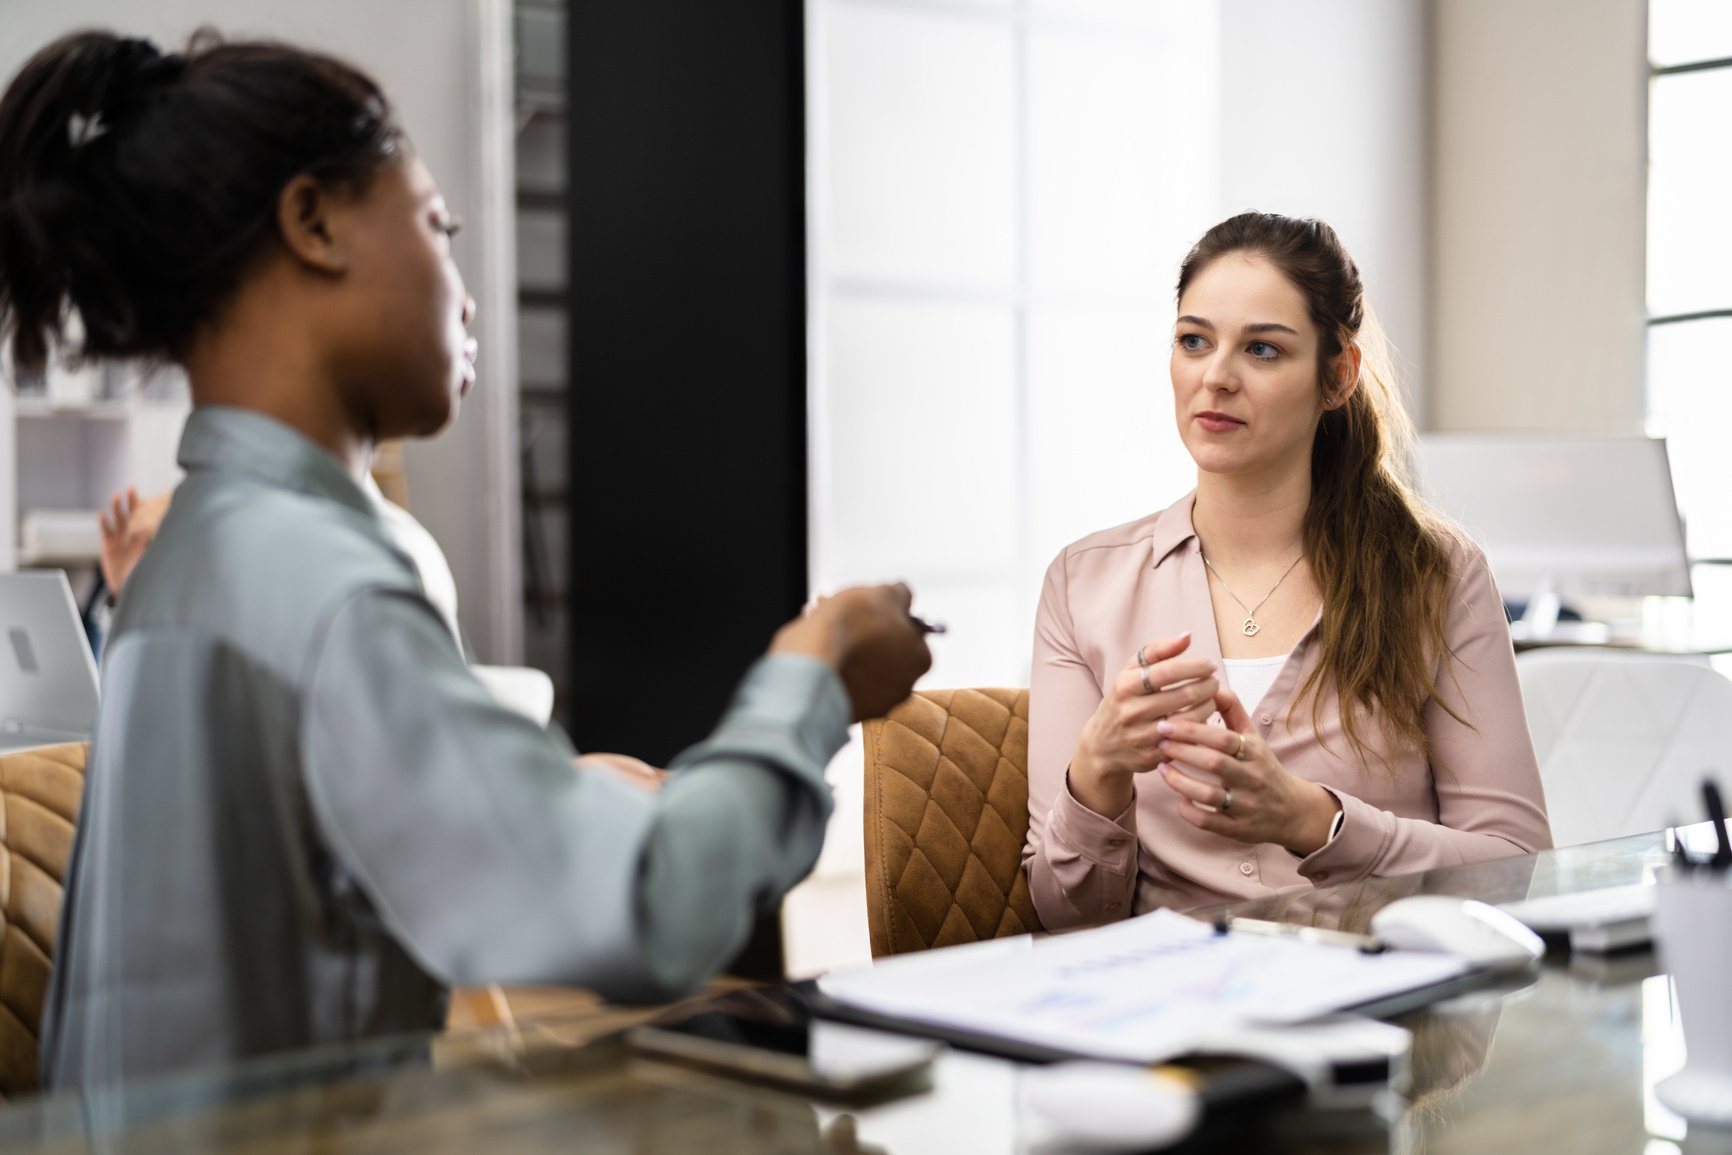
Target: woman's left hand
(1257,800)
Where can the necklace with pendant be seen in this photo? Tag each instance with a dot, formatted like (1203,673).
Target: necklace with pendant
(1250,629)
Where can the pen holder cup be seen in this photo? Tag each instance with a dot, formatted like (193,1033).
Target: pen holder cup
(1693,931)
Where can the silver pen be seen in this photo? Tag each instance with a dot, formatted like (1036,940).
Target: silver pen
(1361,942)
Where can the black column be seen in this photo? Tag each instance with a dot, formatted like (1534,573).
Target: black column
(687,363)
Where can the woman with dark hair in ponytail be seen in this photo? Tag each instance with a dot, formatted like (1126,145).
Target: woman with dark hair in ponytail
(304,817)
(1353,645)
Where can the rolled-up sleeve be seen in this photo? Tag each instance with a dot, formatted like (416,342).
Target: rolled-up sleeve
(1082,866)
(493,859)
(1490,803)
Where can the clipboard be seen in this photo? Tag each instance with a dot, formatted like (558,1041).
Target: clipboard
(1352,1076)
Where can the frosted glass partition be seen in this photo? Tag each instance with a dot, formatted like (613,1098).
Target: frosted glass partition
(1000,198)
(921,442)
(919,183)
(1123,168)
(1118,457)
(1118,15)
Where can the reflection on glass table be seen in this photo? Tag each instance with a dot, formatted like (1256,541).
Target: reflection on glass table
(1564,1060)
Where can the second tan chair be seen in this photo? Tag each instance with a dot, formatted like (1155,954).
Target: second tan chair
(40,791)
(946,816)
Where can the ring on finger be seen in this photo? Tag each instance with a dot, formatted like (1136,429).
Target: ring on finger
(1226,799)
(1239,754)
(1143,673)
(1142,659)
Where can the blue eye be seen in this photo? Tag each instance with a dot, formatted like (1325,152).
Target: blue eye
(1262,350)
(1191,342)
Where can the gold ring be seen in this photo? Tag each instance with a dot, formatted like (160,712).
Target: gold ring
(1239,754)
(1143,673)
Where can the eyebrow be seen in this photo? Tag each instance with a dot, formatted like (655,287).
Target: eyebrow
(1260,327)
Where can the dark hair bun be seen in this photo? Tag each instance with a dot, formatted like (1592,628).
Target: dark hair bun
(136,184)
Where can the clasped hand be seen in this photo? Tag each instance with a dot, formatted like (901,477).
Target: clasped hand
(1257,799)
(1153,716)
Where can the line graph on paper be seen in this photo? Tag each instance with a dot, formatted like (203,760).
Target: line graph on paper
(1138,990)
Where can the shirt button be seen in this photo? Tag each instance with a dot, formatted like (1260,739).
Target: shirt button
(1247,869)
(1265,719)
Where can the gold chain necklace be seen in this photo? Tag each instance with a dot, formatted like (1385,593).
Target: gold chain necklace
(1250,629)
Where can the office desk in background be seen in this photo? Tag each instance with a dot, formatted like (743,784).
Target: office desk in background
(1601,636)
(1565,1063)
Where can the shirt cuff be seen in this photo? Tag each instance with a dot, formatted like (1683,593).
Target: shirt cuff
(1335,825)
(1355,850)
(1110,843)
(790,711)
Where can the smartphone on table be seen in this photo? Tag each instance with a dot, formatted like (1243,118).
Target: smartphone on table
(771,1035)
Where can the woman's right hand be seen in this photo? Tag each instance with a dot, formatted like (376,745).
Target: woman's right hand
(1120,740)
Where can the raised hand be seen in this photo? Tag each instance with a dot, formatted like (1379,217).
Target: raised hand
(868,636)
(1120,740)
(129,525)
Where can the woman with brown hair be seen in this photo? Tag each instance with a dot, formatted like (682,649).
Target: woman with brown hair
(1295,674)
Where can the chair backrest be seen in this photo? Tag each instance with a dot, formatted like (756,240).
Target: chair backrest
(946,817)
(40,791)
(1624,740)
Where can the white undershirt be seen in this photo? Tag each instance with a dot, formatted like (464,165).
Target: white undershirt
(1250,678)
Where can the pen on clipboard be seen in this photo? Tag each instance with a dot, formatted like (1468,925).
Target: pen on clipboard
(1363,943)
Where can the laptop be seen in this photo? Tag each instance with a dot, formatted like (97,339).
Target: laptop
(47,673)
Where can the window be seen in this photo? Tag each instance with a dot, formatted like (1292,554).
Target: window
(1689,382)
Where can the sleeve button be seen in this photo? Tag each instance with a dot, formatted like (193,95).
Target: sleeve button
(1265,719)
(1246,868)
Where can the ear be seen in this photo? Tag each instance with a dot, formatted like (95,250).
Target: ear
(1346,377)
(309,223)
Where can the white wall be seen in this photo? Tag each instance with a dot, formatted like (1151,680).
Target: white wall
(446,64)
(1538,214)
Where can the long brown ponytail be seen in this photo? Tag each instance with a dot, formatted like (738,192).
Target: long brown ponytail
(1381,558)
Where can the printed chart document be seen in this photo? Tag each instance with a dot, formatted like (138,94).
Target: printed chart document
(1144,990)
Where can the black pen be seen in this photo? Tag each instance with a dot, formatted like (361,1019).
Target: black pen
(927,627)
(1680,853)
(1717,815)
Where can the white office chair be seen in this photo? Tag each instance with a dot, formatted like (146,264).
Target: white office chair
(1624,739)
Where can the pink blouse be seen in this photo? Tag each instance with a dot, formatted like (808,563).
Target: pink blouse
(1112,591)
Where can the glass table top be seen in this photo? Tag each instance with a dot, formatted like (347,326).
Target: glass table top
(1565,1059)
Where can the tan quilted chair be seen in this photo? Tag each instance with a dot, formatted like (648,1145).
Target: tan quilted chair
(39,795)
(946,816)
